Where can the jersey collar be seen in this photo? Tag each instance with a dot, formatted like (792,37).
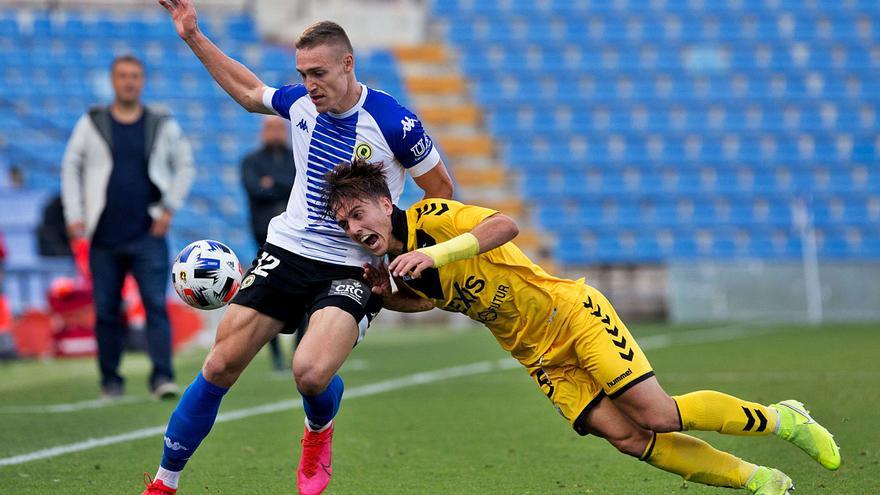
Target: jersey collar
(399,227)
(357,106)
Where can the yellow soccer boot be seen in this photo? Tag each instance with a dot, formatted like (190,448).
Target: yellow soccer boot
(798,427)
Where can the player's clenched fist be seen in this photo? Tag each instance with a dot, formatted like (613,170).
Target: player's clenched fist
(183,12)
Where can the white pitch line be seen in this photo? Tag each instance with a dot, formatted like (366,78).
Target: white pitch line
(364,390)
(715,334)
(73,406)
(699,336)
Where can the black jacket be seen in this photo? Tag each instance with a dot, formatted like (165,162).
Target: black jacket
(266,203)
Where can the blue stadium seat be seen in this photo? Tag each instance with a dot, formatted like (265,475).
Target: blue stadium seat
(74,45)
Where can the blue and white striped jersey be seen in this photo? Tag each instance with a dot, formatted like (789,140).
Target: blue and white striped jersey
(377,129)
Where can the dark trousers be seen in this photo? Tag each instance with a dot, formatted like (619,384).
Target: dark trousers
(147,259)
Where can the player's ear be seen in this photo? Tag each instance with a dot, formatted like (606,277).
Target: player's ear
(348,62)
(387,206)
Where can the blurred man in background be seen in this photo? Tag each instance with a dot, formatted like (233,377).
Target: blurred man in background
(126,170)
(268,175)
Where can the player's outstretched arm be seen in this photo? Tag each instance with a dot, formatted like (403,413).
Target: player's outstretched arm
(495,231)
(486,236)
(236,79)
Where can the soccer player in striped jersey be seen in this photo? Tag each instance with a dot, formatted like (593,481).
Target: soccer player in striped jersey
(458,257)
(308,265)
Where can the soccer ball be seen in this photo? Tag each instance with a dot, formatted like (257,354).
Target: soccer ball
(206,274)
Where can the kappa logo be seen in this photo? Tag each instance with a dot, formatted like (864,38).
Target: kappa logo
(351,288)
(408,123)
(174,445)
(302,125)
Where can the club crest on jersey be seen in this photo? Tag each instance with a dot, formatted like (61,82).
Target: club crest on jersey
(248,281)
(364,151)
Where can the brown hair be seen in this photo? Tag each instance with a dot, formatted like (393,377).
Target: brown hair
(126,58)
(355,180)
(324,33)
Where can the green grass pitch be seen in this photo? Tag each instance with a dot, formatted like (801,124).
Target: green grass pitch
(484,429)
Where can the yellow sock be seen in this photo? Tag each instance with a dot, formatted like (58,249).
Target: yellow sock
(697,461)
(708,410)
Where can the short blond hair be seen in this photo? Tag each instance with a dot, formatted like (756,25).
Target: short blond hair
(324,33)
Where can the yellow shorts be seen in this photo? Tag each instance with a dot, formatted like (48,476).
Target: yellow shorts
(592,356)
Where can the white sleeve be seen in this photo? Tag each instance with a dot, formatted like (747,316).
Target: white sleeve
(427,163)
(268,93)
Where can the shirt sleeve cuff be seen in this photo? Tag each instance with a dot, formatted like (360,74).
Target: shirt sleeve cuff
(268,93)
(426,164)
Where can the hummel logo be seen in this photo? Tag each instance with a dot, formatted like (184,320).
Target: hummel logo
(174,445)
(302,125)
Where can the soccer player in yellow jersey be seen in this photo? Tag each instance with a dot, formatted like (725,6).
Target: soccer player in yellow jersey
(458,257)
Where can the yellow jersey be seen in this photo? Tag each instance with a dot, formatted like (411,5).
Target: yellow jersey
(502,288)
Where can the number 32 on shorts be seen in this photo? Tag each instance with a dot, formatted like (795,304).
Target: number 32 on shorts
(265,263)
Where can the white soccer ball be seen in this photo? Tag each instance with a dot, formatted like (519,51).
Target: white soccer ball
(206,274)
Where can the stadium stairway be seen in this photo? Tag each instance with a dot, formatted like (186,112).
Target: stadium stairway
(440,97)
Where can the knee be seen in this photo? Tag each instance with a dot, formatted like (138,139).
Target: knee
(220,370)
(310,380)
(633,444)
(661,418)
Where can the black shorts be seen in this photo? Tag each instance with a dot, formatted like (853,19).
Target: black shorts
(287,287)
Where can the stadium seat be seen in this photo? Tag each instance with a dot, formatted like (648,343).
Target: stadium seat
(76,45)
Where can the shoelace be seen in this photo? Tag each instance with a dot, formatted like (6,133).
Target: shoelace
(148,483)
(311,444)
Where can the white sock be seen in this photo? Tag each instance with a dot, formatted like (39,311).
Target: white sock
(170,478)
(319,430)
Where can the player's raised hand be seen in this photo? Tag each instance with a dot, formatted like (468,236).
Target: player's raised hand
(183,12)
(377,278)
(410,265)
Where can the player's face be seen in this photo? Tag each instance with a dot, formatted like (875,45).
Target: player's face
(127,79)
(367,222)
(327,71)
